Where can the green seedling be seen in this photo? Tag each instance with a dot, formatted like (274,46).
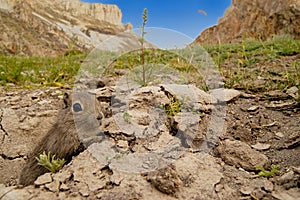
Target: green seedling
(127,116)
(173,107)
(265,173)
(50,162)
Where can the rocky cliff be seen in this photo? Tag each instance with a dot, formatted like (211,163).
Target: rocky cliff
(258,18)
(51,27)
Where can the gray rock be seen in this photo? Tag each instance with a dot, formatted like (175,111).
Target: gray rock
(188,93)
(293,92)
(242,155)
(286,177)
(224,95)
(53,186)
(62,176)
(43,179)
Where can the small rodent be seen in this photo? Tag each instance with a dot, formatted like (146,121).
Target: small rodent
(63,140)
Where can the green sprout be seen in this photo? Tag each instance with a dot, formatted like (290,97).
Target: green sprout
(127,116)
(173,107)
(265,173)
(50,163)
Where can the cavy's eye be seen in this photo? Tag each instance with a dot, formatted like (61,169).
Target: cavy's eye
(77,107)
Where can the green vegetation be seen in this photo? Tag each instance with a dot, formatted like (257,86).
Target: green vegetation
(173,107)
(50,163)
(265,173)
(127,117)
(40,71)
(251,65)
(258,66)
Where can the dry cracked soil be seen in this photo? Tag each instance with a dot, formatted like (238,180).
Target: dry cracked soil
(259,129)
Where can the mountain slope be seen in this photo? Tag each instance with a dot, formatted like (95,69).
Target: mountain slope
(52,27)
(260,19)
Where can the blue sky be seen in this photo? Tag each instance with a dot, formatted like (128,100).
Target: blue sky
(178,15)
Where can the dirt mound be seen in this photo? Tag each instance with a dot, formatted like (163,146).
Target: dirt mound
(258,131)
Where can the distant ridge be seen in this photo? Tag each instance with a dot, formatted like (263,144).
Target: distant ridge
(258,19)
(51,27)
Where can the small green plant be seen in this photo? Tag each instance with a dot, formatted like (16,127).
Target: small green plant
(142,40)
(173,107)
(50,163)
(127,116)
(265,173)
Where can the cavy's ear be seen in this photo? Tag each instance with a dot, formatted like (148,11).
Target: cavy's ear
(67,100)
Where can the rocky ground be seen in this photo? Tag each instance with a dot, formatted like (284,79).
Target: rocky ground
(259,129)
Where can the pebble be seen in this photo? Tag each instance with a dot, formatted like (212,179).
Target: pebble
(253,108)
(268,186)
(260,146)
(286,177)
(292,90)
(64,187)
(43,179)
(53,186)
(279,134)
(62,176)
(246,190)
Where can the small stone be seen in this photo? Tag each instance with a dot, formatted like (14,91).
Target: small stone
(64,187)
(43,179)
(219,187)
(53,186)
(260,146)
(62,176)
(286,177)
(246,190)
(279,134)
(268,186)
(224,95)
(253,108)
(292,91)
